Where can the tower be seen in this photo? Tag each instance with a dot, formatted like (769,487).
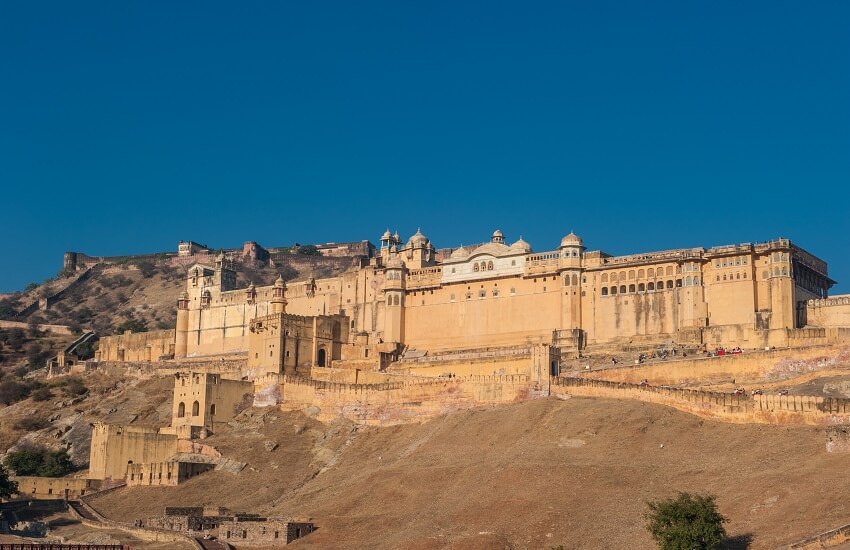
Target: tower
(181,333)
(394,301)
(571,275)
(419,252)
(278,300)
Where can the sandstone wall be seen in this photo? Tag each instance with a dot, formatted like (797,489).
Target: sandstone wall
(765,409)
(140,346)
(399,402)
(747,365)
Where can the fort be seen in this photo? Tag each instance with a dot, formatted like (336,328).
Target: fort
(407,331)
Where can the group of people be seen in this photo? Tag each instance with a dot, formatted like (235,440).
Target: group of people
(723,351)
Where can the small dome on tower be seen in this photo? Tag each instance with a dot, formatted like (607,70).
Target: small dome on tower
(279,282)
(387,235)
(459,254)
(521,245)
(498,237)
(184,295)
(572,240)
(418,239)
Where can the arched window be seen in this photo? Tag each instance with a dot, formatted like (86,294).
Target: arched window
(475,267)
(641,287)
(641,273)
(605,291)
(196,408)
(745,274)
(631,288)
(622,289)
(669,270)
(724,276)
(566,280)
(181,410)
(212,409)
(604,278)
(613,290)
(631,274)
(613,277)
(650,286)
(490,265)
(696,281)
(575,280)
(737,275)
(659,272)
(621,276)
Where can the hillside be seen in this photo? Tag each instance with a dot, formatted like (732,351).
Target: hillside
(534,475)
(141,294)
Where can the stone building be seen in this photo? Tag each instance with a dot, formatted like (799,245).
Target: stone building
(202,400)
(412,296)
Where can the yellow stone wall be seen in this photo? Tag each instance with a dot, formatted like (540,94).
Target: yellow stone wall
(113,447)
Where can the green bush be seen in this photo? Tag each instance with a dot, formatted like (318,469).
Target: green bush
(39,461)
(12,391)
(687,522)
(135,325)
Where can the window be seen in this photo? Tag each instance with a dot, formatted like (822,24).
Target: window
(622,289)
(490,265)
(605,291)
(181,410)
(513,292)
(475,268)
(495,293)
(631,288)
(196,408)
(212,409)
(604,278)
(641,287)
(650,286)
(452,298)
(631,274)
(468,295)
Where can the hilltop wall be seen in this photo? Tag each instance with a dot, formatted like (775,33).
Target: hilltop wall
(140,346)
(744,366)
(400,402)
(762,409)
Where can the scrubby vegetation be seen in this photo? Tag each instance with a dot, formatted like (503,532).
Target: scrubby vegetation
(39,461)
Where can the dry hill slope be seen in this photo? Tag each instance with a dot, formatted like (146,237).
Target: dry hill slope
(534,475)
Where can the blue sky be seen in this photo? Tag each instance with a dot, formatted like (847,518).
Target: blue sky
(126,126)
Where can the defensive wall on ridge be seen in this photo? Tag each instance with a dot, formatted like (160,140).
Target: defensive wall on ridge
(762,409)
(399,402)
(776,364)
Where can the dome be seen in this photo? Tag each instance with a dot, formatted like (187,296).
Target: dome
(459,254)
(521,246)
(572,240)
(387,235)
(418,239)
(498,237)
(493,249)
(278,282)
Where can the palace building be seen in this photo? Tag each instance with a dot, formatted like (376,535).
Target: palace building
(412,298)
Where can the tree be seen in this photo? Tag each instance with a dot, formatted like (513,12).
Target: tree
(7,486)
(687,522)
(134,325)
(39,461)
(309,250)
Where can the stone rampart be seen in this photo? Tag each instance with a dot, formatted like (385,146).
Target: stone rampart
(408,401)
(748,365)
(762,409)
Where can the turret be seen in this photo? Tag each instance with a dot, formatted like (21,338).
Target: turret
(181,333)
(571,279)
(278,300)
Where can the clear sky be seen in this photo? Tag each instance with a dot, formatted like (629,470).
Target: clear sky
(127,126)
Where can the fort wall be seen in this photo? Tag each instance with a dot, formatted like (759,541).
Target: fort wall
(763,409)
(758,364)
(829,312)
(48,488)
(140,346)
(114,447)
(400,402)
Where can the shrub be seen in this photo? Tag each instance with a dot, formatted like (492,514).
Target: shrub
(31,424)
(7,486)
(39,461)
(42,394)
(12,391)
(309,250)
(688,521)
(135,325)
(73,386)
